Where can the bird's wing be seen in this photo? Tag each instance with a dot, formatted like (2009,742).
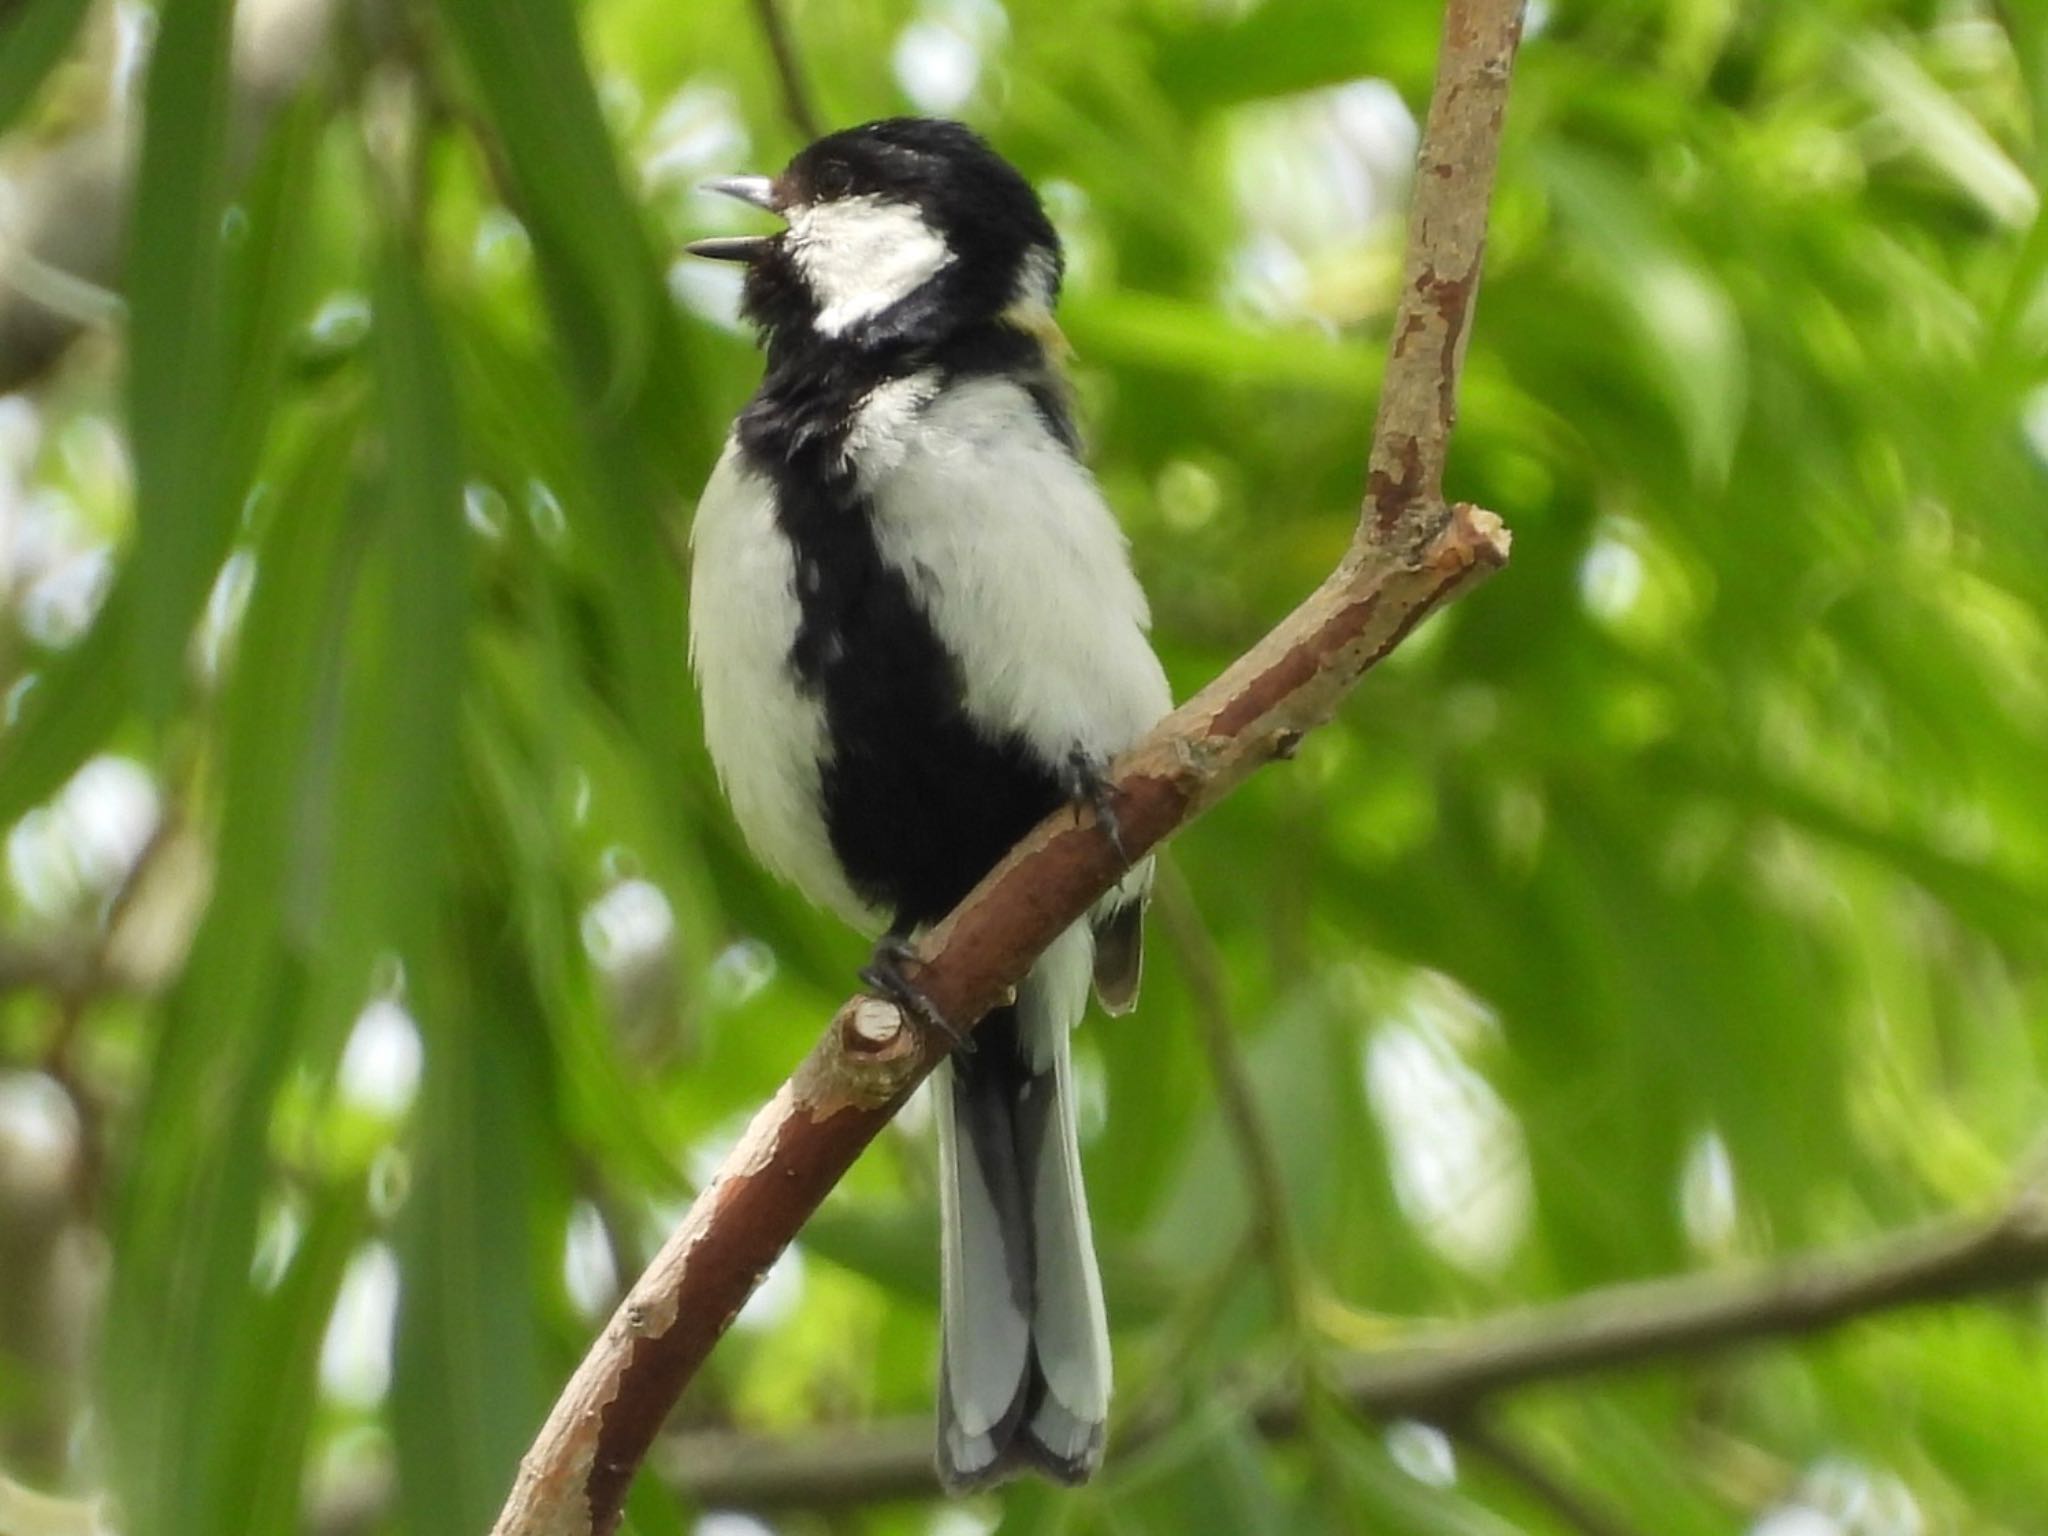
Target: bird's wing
(1007,542)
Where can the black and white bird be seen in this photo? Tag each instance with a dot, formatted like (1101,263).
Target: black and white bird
(917,633)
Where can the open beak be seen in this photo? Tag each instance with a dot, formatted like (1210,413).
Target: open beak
(756,190)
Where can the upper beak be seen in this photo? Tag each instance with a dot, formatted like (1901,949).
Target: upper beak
(757,190)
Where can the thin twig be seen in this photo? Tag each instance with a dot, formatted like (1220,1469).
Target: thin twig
(1413,554)
(796,96)
(1447,218)
(62,965)
(1265,1186)
(1519,1464)
(1271,1220)
(1445,1375)
(1184,1329)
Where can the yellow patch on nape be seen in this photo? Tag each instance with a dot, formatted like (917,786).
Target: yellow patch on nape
(1036,321)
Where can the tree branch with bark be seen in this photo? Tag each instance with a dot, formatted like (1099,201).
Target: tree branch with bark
(1448,1374)
(1412,553)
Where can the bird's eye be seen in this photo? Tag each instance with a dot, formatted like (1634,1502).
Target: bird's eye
(834,179)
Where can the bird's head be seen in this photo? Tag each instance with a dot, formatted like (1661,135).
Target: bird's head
(898,233)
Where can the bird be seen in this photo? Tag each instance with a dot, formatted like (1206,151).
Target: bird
(916,633)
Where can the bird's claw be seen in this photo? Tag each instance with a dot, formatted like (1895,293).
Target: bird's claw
(1088,782)
(887,977)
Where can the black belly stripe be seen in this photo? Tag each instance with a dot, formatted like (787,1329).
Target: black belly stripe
(919,803)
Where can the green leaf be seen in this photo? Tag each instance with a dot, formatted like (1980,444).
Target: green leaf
(528,64)
(615,331)
(268,282)
(1293,45)
(185,1219)
(281,1348)
(80,695)
(185,1236)
(398,750)
(1944,132)
(467,1383)
(1687,331)
(178,358)
(68,707)
(1143,330)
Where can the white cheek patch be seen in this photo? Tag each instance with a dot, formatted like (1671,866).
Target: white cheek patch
(862,254)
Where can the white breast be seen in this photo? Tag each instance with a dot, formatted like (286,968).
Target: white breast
(766,738)
(1019,563)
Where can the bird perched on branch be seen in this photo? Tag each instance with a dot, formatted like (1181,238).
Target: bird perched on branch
(916,631)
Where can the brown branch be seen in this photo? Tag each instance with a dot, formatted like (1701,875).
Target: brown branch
(1272,1230)
(789,71)
(1166,1353)
(1412,554)
(1446,1375)
(1440,272)
(64,966)
(1519,1464)
(1270,1225)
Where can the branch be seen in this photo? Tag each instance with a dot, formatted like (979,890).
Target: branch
(1412,554)
(1658,1319)
(1272,1229)
(1446,1375)
(1519,1464)
(796,96)
(1440,273)
(63,965)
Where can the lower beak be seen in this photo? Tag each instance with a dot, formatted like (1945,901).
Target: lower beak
(731,247)
(759,192)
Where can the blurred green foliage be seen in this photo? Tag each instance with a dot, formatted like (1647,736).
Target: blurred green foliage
(1680,898)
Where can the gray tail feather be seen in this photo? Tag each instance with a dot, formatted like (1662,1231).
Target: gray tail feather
(1024,1352)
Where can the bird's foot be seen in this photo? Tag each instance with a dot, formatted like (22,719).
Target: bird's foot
(1088,783)
(887,976)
